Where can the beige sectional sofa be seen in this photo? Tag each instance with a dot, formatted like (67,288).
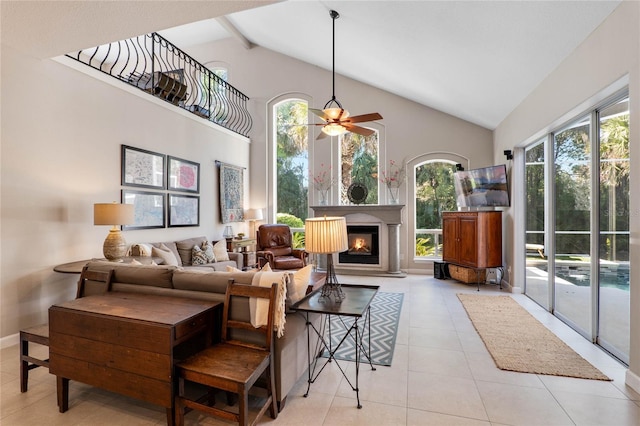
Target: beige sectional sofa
(182,251)
(290,350)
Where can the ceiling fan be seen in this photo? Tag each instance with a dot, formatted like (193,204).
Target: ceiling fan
(337,119)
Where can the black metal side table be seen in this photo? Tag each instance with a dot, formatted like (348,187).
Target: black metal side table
(356,304)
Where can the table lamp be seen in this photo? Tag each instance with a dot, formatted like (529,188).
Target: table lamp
(253,215)
(115,246)
(327,235)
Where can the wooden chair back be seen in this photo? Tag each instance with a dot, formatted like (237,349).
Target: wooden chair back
(231,322)
(87,274)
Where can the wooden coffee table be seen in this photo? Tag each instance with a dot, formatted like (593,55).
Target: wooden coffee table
(127,343)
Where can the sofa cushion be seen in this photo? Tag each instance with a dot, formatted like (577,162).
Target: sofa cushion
(198,257)
(165,253)
(141,250)
(287,262)
(203,280)
(220,251)
(185,247)
(147,275)
(298,284)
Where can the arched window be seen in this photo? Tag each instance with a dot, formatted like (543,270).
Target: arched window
(359,164)
(292,161)
(433,193)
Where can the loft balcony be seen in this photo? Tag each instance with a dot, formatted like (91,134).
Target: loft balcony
(153,64)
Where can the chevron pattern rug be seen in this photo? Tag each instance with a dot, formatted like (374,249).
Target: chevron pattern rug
(385,314)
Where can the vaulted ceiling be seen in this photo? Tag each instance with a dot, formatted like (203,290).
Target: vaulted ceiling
(476,60)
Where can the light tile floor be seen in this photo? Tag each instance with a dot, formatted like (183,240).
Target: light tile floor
(441,375)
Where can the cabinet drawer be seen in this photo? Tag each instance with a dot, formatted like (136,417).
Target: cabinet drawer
(193,325)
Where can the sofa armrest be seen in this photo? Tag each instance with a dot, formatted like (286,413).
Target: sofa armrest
(237,257)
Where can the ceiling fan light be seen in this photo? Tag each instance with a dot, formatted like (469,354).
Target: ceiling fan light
(334,129)
(334,113)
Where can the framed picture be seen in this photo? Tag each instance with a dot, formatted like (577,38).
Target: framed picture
(142,168)
(148,209)
(231,193)
(184,210)
(183,175)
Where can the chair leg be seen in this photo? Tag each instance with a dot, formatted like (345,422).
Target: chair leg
(273,408)
(243,406)
(24,365)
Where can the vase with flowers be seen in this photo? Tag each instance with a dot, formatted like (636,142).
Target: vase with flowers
(393,178)
(322,182)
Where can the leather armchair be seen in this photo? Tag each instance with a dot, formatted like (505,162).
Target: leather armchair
(274,245)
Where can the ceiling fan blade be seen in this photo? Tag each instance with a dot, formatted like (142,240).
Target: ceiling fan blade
(321,135)
(320,113)
(359,130)
(364,117)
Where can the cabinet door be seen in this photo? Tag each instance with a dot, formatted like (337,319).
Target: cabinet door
(468,250)
(450,238)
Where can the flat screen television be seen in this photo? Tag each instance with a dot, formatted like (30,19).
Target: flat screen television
(485,187)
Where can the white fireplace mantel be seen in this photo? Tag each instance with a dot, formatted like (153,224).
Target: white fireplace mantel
(390,214)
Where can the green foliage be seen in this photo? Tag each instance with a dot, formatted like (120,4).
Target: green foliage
(287,219)
(292,158)
(359,163)
(435,193)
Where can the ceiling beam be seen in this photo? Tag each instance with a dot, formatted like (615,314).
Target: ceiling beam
(227,25)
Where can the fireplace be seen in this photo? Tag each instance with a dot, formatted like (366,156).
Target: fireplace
(389,248)
(363,245)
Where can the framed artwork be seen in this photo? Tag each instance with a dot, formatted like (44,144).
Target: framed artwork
(142,168)
(231,193)
(148,209)
(183,175)
(184,210)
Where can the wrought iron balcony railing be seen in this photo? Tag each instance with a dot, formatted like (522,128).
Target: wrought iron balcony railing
(153,64)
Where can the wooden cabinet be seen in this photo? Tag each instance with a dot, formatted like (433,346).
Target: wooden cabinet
(472,239)
(127,343)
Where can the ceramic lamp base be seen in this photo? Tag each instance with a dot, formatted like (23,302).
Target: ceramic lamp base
(115,246)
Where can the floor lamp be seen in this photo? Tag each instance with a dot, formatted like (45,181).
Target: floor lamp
(327,235)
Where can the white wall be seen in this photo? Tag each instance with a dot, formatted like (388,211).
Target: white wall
(409,129)
(61,137)
(608,55)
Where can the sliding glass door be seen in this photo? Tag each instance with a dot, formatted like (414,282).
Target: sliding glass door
(577,228)
(537,272)
(613,294)
(572,260)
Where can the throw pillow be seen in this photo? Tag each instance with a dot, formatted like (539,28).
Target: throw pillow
(297,286)
(207,249)
(198,257)
(141,249)
(220,251)
(165,254)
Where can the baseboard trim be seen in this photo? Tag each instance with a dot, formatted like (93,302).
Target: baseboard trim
(8,341)
(632,380)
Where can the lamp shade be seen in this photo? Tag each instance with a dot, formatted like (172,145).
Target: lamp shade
(113,214)
(253,214)
(325,235)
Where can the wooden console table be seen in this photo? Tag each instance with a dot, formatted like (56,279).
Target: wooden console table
(127,343)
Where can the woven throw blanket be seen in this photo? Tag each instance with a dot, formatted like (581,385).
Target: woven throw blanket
(259,308)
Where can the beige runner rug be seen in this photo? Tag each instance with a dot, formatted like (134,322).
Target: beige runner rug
(519,342)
